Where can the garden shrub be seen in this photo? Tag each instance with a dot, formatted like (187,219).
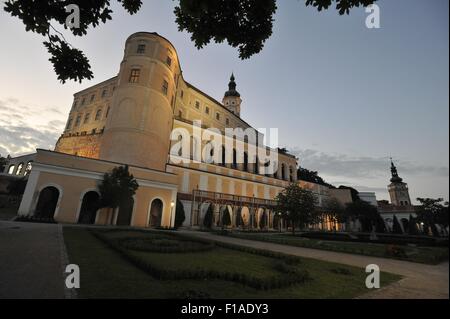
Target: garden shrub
(274,282)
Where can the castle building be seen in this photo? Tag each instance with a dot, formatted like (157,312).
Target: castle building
(130,119)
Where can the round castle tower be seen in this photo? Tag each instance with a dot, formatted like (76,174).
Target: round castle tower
(138,129)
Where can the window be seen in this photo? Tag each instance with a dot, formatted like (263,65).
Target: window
(19,169)
(207,110)
(11,169)
(180,114)
(86,117)
(141,48)
(75,104)
(218,116)
(134,76)
(28,168)
(169,61)
(69,124)
(83,101)
(165,87)
(197,104)
(98,115)
(172,101)
(227,121)
(92,97)
(104,93)
(107,112)
(78,120)
(182,94)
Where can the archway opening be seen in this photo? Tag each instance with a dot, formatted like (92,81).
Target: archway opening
(156,211)
(46,206)
(89,208)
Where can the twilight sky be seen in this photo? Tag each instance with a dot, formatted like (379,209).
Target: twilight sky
(345,98)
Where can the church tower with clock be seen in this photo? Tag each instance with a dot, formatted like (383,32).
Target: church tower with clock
(398,190)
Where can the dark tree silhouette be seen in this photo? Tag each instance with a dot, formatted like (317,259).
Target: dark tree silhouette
(3,162)
(180,215)
(366,213)
(396,228)
(117,188)
(431,210)
(208,219)
(306,175)
(245,24)
(297,206)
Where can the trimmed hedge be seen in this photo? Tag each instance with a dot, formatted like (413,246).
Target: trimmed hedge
(394,239)
(283,281)
(35,219)
(164,245)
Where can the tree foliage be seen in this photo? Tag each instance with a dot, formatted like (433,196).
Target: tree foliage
(17,186)
(433,211)
(208,219)
(117,187)
(366,213)
(3,162)
(226,220)
(396,228)
(243,24)
(297,205)
(306,175)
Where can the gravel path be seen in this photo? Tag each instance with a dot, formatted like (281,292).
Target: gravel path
(31,261)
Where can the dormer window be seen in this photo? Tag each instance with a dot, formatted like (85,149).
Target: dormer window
(141,49)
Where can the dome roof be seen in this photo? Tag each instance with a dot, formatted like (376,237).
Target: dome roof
(232,88)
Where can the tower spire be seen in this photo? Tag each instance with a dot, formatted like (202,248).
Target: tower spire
(395,178)
(232,87)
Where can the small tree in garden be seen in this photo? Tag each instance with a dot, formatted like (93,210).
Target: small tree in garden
(396,228)
(180,215)
(431,211)
(226,220)
(297,205)
(16,187)
(116,188)
(335,211)
(262,220)
(412,226)
(208,219)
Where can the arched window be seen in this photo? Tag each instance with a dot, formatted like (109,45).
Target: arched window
(19,169)
(256,167)
(234,159)
(28,168)
(224,160)
(245,162)
(156,210)
(98,115)
(11,169)
(283,172)
(291,174)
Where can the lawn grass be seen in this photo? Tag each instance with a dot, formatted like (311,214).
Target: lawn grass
(105,274)
(419,254)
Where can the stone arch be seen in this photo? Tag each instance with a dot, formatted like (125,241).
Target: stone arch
(48,201)
(245,215)
(155,213)
(226,209)
(90,203)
